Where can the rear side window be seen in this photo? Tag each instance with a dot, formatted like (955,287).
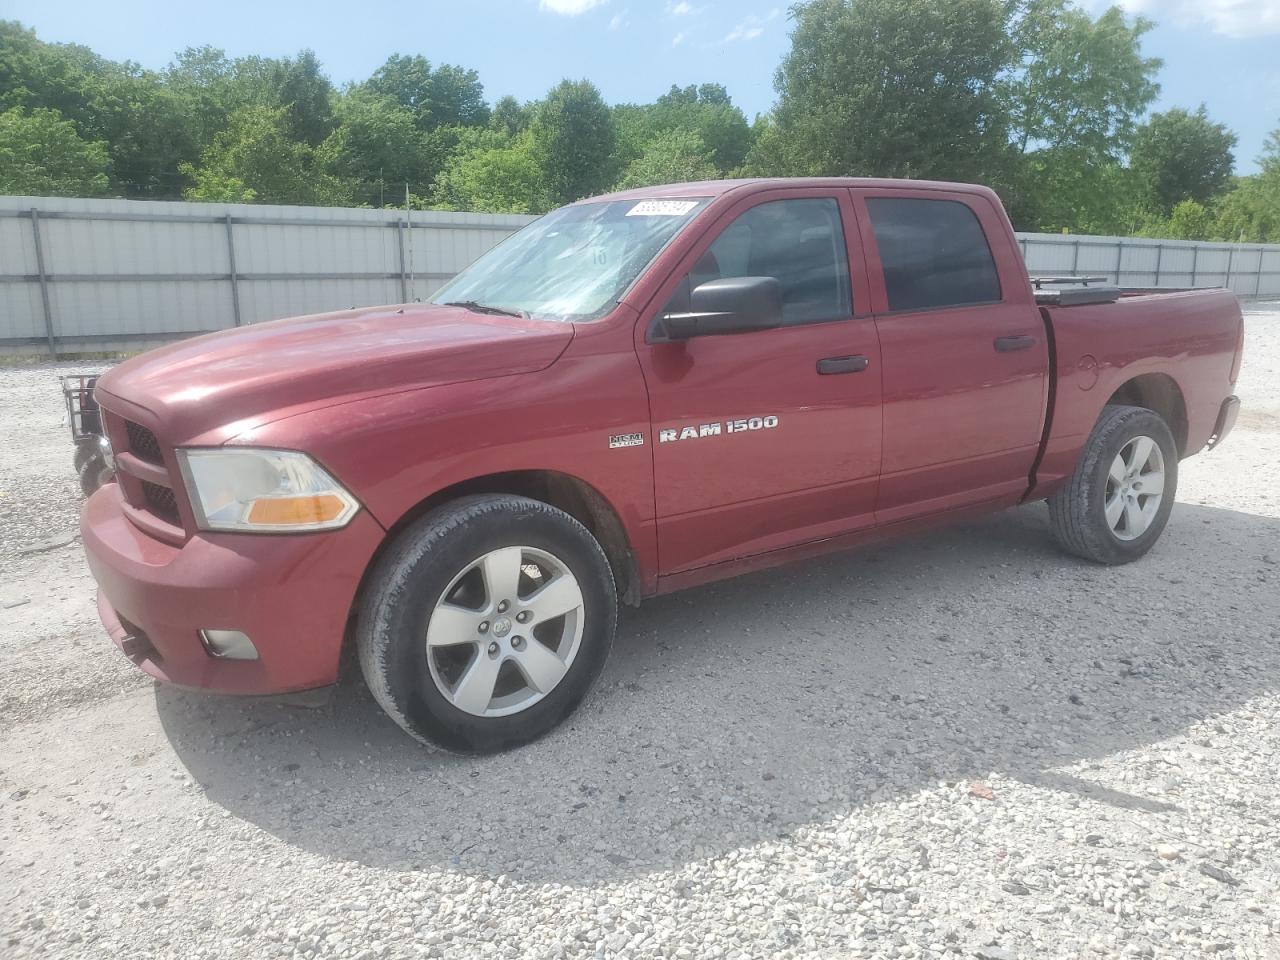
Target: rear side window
(934,253)
(801,242)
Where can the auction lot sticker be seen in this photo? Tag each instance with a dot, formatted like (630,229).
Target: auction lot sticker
(662,208)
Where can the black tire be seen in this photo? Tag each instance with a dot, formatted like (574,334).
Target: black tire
(1077,511)
(94,472)
(413,575)
(85,451)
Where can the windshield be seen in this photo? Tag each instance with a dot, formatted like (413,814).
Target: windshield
(574,263)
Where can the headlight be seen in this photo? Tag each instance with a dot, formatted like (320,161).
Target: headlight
(244,488)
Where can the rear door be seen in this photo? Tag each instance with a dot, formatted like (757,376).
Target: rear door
(770,438)
(963,351)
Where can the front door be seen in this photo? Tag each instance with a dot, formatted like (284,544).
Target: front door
(766,439)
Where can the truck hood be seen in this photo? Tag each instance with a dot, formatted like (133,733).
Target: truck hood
(237,379)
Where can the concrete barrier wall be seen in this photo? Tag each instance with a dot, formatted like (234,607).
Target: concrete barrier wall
(97,275)
(81,276)
(1249,269)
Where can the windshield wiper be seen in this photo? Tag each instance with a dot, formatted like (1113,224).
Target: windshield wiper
(485,308)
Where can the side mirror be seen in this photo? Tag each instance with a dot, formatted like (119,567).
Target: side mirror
(731,305)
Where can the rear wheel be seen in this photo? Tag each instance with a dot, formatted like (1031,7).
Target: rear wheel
(486,623)
(1118,500)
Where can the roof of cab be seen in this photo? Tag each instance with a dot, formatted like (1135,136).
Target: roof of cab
(716,188)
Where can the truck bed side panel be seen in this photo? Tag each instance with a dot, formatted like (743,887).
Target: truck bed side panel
(1189,337)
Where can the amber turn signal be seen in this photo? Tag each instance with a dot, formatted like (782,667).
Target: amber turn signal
(295,511)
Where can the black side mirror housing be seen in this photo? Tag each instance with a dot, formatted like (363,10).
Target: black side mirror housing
(730,305)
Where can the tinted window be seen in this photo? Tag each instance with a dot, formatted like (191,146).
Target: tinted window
(934,253)
(800,242)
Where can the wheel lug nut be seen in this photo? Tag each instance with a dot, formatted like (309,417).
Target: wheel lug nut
(493,649)
(484,626)
(517,642)
(502,606)
(523,616)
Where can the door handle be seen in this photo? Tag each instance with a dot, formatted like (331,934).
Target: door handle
(1010,344)
(854,364)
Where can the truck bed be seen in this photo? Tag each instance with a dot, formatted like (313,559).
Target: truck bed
(1183,342)
(1080,291)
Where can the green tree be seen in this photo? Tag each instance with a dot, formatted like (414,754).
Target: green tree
(255,159)
(707,111)
(447,95)
(1250,213)
(148,131)
(492,175)
(1064,190)
(509,116)
(379,148)
(633,127)
(1074,97)
(1190,221)
(772,154)
(296,85)
(892,88)
(677,156)
(42,155)
(1079,84)
(144,125)
(1179,156)
(573,139)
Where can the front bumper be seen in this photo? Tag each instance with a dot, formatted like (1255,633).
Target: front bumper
(1226,420)
(291,594)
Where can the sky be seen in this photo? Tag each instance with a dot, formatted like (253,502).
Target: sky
(1223,53)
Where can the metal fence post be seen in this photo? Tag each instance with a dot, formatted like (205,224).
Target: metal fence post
(1257,281)
(1195,262)
(1231,256)
(404,279)
(1075,259)
(44,282)
(1159,260)
(1119,259)
(235,280)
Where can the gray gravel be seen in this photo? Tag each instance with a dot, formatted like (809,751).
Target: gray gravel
(965,744)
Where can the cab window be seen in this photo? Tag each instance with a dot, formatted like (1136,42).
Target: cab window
(934,253)
(801,243)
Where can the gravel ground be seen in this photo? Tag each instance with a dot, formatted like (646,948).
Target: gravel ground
(965,744)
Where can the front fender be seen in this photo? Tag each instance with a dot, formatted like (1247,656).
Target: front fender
(395,451)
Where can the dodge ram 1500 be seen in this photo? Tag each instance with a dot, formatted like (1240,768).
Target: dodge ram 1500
(633,394)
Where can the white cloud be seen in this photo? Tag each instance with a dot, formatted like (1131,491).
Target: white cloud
(570,8)
(1232,18)
(678,39)
(751,27)
(680,9)
(744,31)
(618,21)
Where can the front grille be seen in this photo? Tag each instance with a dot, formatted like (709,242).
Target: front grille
(161,502)
(143,443)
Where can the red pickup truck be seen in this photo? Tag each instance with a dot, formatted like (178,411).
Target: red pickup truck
(633,394)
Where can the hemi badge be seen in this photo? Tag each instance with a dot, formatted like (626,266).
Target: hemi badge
(626,440)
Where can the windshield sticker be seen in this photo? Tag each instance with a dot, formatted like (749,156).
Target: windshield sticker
(662,208)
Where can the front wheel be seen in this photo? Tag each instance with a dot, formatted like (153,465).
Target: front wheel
(485,624)
(94,472)
(1118,500)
